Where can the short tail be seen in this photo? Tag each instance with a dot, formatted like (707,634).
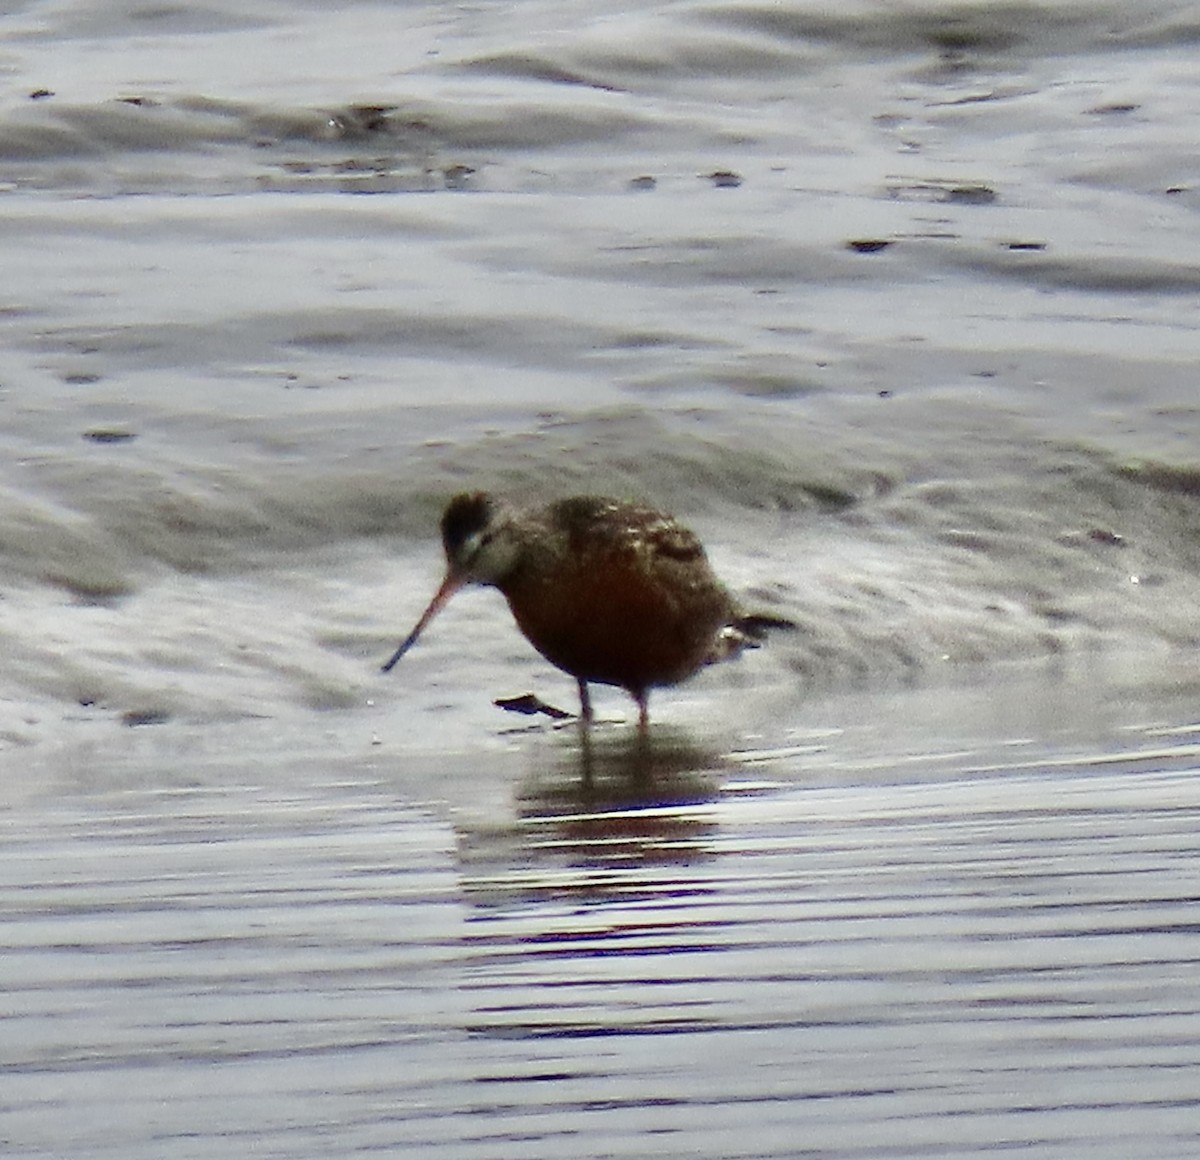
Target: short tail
(745,632)
(756,626)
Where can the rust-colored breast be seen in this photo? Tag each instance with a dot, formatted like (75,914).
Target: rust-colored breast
(617,594)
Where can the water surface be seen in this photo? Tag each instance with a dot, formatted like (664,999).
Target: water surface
(895,304)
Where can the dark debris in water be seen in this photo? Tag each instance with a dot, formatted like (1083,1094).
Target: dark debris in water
(1116,109)
(971,195)
(136,717)
(529,705)
(724,179)
(109,435)
(868,245)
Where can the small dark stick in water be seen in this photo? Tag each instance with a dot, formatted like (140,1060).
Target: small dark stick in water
(609,592)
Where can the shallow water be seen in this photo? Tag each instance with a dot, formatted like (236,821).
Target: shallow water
(894,304)
(825,949)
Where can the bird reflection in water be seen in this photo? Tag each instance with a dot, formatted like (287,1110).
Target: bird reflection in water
(606,817)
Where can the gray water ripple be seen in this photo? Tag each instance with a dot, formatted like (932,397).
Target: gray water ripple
(936,967)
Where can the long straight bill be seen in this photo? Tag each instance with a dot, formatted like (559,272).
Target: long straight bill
(449,587)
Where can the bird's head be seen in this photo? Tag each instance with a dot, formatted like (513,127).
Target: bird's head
(481,548)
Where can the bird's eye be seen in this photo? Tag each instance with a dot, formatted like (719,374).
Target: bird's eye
(476,543)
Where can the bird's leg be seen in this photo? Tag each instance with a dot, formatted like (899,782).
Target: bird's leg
(585,756)
(585,702)
(642,697)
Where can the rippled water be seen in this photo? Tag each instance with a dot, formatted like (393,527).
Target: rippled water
(894,303)
(814,951)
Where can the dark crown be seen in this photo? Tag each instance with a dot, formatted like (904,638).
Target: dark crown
(465,516)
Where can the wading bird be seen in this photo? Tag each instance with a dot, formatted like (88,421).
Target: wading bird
(609,592)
